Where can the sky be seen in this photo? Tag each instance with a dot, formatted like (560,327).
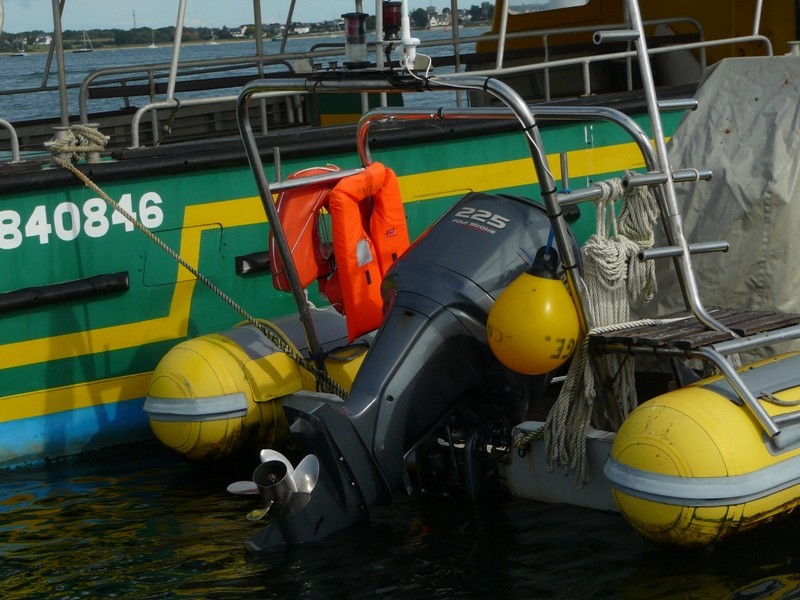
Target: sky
(28,15)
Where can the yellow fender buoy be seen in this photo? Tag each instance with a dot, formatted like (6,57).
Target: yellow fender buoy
(533,327)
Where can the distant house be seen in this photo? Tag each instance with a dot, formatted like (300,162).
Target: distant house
(43,40)
(302,30)
(438,20)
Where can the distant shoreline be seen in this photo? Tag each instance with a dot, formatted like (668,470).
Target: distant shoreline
(44,48)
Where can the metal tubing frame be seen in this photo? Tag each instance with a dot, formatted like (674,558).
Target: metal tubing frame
(672,217)
(517,107)
(671,251)
(496,88)
(543,113)
(14,138)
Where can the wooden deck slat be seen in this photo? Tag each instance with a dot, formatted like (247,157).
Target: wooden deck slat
(689,333)
(775,321)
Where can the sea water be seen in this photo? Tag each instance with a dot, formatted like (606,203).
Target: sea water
(140,523)
(31,72)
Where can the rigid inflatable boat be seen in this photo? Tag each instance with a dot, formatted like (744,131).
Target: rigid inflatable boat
(493,316)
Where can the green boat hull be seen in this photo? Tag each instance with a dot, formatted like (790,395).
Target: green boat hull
(90,304)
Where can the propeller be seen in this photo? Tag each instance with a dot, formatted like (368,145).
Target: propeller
(285,489)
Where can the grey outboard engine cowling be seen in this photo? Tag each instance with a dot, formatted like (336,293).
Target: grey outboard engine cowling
(430,351)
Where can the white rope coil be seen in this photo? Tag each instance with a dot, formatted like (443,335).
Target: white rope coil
(613,276)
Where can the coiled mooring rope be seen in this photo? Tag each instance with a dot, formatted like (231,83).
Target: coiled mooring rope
(80,140)
(613,275)
(75,144)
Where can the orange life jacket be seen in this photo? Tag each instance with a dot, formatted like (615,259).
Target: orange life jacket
(298,211)
(369,233)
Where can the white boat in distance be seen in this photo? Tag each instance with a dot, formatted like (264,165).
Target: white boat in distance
(86,46)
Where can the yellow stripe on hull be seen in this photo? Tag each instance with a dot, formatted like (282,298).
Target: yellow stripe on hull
(73,397)
(516,173)
(241,212)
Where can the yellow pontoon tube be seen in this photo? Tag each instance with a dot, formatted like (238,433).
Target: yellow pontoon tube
(692,466)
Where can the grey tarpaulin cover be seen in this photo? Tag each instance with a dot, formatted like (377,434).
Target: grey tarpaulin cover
(747,131)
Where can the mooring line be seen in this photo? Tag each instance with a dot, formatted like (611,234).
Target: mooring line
(81,140)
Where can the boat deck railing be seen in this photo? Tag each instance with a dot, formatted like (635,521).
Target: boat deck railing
(12,133)
(548,64)
(293,111)
(457,59)
(547,52)
(587,62)
(167,78)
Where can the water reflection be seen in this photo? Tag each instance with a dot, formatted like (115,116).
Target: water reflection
(144,524)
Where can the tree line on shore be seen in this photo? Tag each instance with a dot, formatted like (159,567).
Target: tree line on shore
(143,36)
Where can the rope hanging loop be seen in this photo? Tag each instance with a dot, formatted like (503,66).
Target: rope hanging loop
(614,277)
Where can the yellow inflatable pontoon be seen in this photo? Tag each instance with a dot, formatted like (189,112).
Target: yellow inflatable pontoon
(693,466)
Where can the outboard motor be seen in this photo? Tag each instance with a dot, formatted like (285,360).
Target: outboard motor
(429,382)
